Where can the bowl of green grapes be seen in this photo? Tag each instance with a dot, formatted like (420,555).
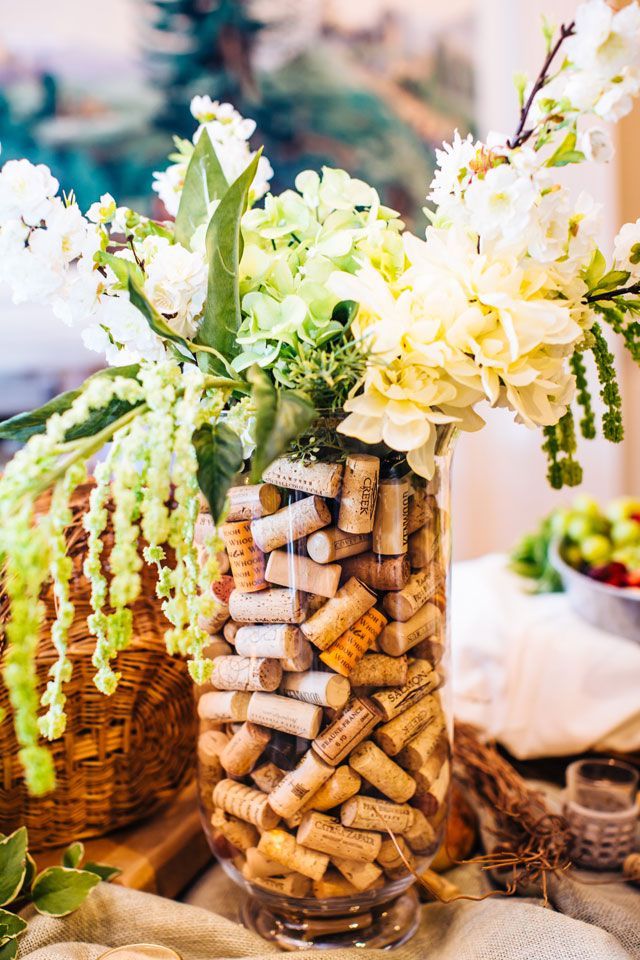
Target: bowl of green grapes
(596,551)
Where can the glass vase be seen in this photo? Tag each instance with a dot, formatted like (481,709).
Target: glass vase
(324,748)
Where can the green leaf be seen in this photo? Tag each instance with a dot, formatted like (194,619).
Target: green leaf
(611,281)
(13,865)
(219,453)
(25,425)
(281,416)
(595,270)
(204,181)
(73,855)
(123,269)
(30,873)
(8,949)
(102,870)
(11,925)
(155,320)
(345,312)
(221,317)
(58,891)
(566,152)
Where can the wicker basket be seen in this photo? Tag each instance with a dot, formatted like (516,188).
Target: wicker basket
(122,756)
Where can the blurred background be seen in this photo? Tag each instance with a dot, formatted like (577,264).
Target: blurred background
(96,91)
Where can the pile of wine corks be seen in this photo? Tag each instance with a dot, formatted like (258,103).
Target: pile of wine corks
(322,728)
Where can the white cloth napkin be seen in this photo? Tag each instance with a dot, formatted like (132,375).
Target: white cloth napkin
(533,675)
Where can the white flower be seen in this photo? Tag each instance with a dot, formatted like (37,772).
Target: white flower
(617,101)
(596,144)
(65,233)
(605,42)
(26,191)
(453,168)
(175,282)
(120,331)
(168,185)
(221,120)
(627,249)
(500,203)
(103,210)
(32,279)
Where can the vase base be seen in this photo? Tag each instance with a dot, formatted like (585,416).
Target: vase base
(384,927)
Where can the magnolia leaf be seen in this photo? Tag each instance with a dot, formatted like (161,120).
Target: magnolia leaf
(8,948)
(73,855)
(11,925)
(25,425)
(155,320)
(58,891)
(219,453)
(221,317)
(281,416)
(123,269)
(204,181)
(13,865)
(102,870)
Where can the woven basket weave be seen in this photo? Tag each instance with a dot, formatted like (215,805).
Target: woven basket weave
(122,756)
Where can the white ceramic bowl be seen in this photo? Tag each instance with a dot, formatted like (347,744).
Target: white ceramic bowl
(614,609)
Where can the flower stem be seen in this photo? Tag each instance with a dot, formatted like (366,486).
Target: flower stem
(612,294)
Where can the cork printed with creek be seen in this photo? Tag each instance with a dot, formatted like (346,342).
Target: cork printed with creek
(324,751)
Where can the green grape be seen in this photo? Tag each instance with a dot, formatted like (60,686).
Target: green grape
(596,549)
(572,554)
(559,521)
(587,506)
(625,532)
(579,528)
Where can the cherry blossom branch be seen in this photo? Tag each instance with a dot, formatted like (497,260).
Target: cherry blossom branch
(521,135)
(612,294)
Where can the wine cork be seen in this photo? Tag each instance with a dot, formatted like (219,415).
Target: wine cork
(245,557)
(350,728)
(342,785)
(293,791)
(323,689)
(204,527)
(363,876)
(301,660)
(245,803)
(323,479)
(243,750)
(290,523)
(390,530)
(252,500)
(294,821)
(326,834)
(422,545)
(244,673)
(293,885)
(631,867)
(278,641)
(395,734)
(224,706)
(338,614)
(359,493)
(221,590)
(230,630)
(421,679)
(379,670)
(210,770)
(267,776)
(283,847)
(418,750)
(432,650)
(382,773)
(422,509)
(277,605)
(301,573)
(289,716)
(217,647)
(404,604)
(397,638)
(257,866)
(239,833)
(433,781)
(333,884)
(351,646)
(379,572)
(283,751)
(393,861)
(369,813)
(331,544)
(420,836)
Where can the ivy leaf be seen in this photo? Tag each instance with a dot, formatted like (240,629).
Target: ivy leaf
(221,317)
(13,865)
(102,870)
(281,416)
(219,454)
(155,320)
(8,949)
(204,181)
(11,925)
(25,425)
(73,855)
(58,891)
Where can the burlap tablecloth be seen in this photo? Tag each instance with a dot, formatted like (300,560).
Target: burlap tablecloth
(588,923)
